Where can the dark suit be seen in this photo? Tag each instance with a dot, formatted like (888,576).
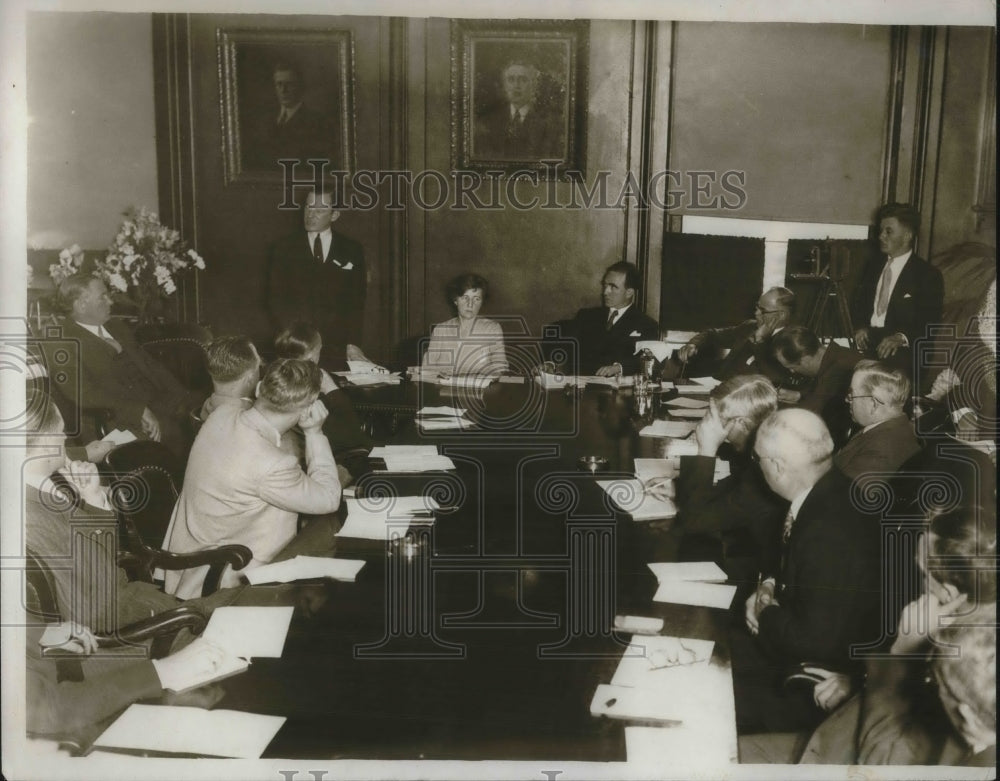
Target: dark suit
(599,346)
(740,501)
(916,300)
(306,135)
(746,356)
(828,587)
(125,382)
(883,448)
(541,135)
(825,394)
(330,295)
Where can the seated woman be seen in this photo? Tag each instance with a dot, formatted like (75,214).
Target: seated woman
(467,343)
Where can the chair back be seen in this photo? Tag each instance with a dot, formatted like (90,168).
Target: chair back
(186,360)
(145,484)
(39,591)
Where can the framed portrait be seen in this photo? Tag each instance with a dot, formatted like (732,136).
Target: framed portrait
(519,96)
(285,95)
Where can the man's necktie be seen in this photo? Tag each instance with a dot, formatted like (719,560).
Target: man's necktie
(611,319)
(282,117)
(883,293)
(318,249)
(786,530)
(103,333)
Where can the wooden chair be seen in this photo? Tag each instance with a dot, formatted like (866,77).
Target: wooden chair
(145,476)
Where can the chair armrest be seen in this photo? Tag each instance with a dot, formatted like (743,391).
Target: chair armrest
(168,622)
(236,555)
(102,417)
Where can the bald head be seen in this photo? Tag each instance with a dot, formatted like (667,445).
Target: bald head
(795,451)
(774,309)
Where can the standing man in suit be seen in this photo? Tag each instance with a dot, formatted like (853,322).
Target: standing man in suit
(829,366)
(114,371)
(319,276)
(895,302)
(606,335)
(749,343)
(886,441)
(824,598)
(520,128)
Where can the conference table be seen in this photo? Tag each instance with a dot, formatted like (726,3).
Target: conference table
(484,634)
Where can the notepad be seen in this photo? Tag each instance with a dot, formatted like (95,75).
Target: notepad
(676,429)
(403,450)
(705,571)
(682,592)
(249,631)
(183,730)
(119,437)
(689,413)
(424,463)
(684,402)
(629,496)
(305,568)
(647,469)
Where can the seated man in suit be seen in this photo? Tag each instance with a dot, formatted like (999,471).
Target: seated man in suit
(254,496)
(897,719)
(896,300)
(886,440)
(825,596)
(606,335)
(830,368)
(234,366)
(742,502)
(749,343)
(115,371)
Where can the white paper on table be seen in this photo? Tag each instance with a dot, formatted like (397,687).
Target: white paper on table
(365,367)
(444,424)
(684,592)
(692,390)
(119,437)
(708,382)
(433,463)
(477,381)
(648,658)
(306,568)
(454,412)
(619,381)
(666,385)
(511,379)
(395,506)
(705,571)
(249,631)
(689,413)
(629,497)
(675,429)
(403,450)
(647,469)
(378,522)
(184,730)
(635,704)
(556,381)
(681,447)
(660,350)
(368,378)
(684,402)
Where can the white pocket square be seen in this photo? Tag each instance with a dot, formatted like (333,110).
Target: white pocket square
(634,333)
(348,266)
(907,295)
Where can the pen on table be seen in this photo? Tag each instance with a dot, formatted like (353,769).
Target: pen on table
(655,482)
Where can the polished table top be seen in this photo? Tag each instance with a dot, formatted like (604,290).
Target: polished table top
(485,638)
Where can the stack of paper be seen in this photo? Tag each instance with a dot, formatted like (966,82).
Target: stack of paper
(708,382)
(365,367)
(692,390)
(442,418)
(692,583)
(179,730)
(395,463)
(556,381)
(677,429)
(380,518)
(305,568)
(647,469)
(630,497)
(369,378)
(403,450)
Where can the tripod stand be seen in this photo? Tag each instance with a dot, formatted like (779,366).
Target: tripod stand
(830,289)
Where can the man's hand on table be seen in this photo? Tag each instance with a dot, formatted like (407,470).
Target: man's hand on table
(150,425)
(613,370)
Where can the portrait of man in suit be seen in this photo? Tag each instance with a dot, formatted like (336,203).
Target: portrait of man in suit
(520,125)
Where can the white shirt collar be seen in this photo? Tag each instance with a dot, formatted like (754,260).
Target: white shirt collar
(798,501)
(899,261)
(288,113)
(97,330)
(619,311)
(523,110)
